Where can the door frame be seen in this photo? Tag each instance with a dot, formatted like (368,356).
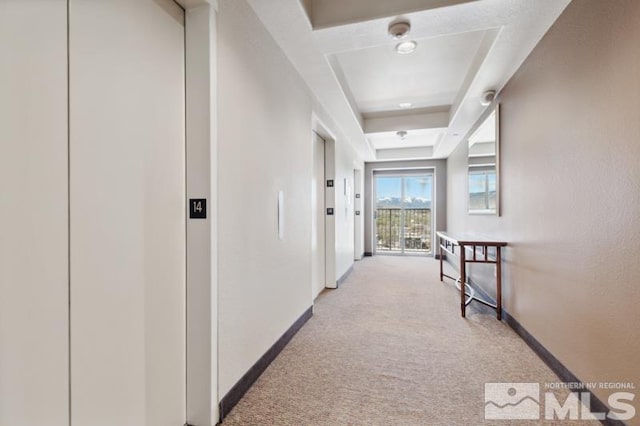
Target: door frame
(201,345)
(320,129)
(318,219)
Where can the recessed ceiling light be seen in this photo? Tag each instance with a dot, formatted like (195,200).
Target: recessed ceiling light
(406,47)
(404,105)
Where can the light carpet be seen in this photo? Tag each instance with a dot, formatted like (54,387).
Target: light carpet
(389,348)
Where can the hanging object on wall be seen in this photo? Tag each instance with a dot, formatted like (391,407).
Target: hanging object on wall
(281,215)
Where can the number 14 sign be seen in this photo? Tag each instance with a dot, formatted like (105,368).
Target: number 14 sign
(198,208)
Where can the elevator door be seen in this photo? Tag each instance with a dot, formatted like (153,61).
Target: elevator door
(318,225)
(127,210)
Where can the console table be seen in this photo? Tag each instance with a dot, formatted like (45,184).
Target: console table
(479,248)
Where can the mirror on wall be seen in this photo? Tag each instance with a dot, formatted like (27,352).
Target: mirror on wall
(483,161)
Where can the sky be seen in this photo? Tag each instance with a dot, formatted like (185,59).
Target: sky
(478,181)
(415,186)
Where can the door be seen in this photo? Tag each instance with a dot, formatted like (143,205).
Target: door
(33,214)
(318,217)
(403,216)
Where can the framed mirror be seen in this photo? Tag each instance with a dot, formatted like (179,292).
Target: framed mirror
(484,165)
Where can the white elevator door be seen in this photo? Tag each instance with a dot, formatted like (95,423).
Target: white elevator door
(33,214)
(127,147)
(318,235)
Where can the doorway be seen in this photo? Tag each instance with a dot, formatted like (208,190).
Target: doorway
(404,213)
(318,275)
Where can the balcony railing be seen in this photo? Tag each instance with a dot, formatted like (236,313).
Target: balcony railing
(403,228)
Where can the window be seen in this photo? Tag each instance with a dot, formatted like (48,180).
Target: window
(482,190)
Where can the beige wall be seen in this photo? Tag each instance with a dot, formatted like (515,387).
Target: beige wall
(570,192)
(264,146)
(33,213)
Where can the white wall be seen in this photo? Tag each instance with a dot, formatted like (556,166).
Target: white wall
(358,207)
(569,188)
(346,160)
(264,146)
(127,213)
(33,213)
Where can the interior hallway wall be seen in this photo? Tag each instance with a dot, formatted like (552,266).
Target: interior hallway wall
(570,158)
(34,277)
(345,161)
(439,168)
(264,146)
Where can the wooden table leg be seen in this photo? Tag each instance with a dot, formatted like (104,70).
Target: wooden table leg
(499,283)
(463,278)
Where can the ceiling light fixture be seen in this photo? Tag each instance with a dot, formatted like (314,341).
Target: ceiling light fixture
(406,47)
(404,105)
(402,134)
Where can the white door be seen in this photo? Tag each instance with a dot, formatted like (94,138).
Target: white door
(318,218)
(127,146)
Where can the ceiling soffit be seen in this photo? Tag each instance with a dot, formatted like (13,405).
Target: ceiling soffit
(333,13)
(343,51)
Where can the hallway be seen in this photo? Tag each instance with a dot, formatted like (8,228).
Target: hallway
(184,185)
(389,348)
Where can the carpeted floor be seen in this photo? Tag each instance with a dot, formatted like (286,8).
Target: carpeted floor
(390,348)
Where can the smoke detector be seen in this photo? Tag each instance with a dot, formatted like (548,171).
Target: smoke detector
(399,29)
(487,97)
